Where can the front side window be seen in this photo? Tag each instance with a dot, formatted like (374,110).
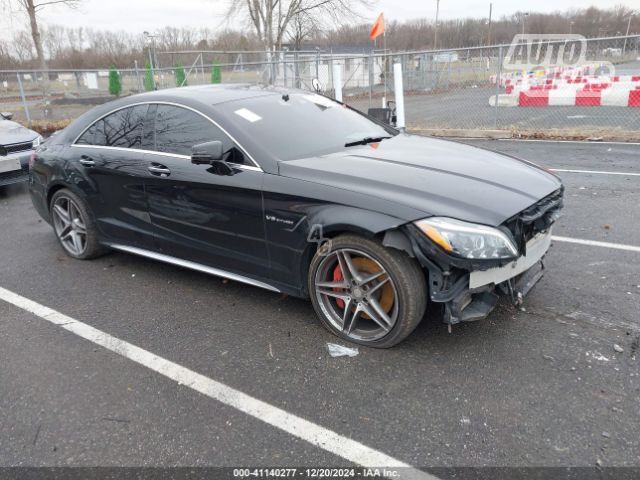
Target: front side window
(179,129)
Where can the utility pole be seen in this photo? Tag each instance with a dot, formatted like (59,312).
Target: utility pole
(624,47)
(489,33)
(150,41)
(435,36)
(524,18)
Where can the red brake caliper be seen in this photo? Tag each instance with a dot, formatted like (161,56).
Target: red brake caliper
(337,277)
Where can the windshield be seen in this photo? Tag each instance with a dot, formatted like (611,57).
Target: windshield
(298,125)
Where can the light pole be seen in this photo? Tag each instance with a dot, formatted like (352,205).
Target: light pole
(435,36)
(624,47)
(524,18)
(150,40)
(489,33)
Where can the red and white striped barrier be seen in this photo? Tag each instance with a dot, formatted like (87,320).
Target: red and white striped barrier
(568,86)
(570,98)
(580,98)
(594,84)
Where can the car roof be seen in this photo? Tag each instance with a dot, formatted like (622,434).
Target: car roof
(201,97)
(210,94)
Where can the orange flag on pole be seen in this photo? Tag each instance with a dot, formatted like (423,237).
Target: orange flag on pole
(378,27)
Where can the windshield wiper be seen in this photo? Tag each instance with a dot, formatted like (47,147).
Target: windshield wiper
(366,141)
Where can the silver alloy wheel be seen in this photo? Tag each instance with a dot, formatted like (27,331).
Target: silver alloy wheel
(69,225)
(363,303)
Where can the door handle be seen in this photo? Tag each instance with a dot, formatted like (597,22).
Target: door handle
(87,161)
(159,170)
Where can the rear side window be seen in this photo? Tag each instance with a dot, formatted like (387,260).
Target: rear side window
(88,136)
(178,129)
(123,128)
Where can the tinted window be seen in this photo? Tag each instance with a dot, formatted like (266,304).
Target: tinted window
(124,127)
(88,136)
(100,137)
(179,129)
(148,130)
(119,129)
(304,125)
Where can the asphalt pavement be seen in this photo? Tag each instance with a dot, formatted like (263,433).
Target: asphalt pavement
(541,386)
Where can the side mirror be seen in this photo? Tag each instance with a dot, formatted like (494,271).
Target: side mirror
(6,115)
(206,153)
(210,153)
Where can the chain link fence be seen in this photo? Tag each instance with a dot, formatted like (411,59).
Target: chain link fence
(454,90)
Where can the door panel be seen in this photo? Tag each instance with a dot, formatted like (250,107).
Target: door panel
(207,218)
(109,153)
(119,200)
(200,216)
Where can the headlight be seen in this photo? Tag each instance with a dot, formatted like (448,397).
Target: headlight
(468,240)
(37,142)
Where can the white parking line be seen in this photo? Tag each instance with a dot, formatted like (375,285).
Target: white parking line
(600,172)
(595,243)
(321,437)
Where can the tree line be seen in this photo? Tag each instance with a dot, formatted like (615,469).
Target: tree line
(84,48)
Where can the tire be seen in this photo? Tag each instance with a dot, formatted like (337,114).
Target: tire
(78,224)
(343,304)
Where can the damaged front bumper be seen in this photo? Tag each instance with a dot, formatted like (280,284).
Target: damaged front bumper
(470,289)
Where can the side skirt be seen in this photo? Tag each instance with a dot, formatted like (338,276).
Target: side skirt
(192,266)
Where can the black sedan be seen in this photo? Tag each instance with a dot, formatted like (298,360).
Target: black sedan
(293,192)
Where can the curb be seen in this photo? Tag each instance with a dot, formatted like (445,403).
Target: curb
(462,133)
(623,136)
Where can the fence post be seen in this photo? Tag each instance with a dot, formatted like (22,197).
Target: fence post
(398,87)
(274,70)
(318,64)
(337,81)
(371,77)
(296,70)
(284,68)
(135,64)
(498,85)
(24,100)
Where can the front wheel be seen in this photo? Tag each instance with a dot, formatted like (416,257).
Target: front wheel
(366,293)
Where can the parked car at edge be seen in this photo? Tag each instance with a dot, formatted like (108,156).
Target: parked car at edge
(16,143)
(293,192)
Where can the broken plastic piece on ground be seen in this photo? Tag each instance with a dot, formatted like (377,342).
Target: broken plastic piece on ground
(336,350)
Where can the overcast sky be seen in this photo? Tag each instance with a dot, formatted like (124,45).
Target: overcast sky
(140,15)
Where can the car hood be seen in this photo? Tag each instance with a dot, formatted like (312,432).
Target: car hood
(12,132)
(436,177)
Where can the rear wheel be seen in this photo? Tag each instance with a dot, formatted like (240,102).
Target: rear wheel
(366,293)
(74,226)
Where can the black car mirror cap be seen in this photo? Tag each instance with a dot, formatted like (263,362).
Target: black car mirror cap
(207,153)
